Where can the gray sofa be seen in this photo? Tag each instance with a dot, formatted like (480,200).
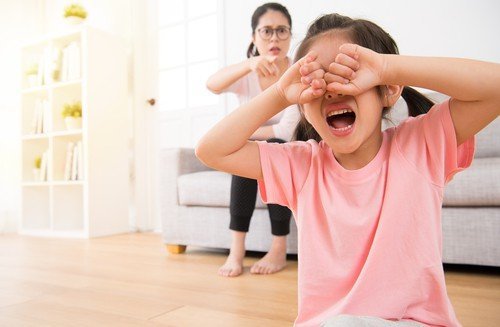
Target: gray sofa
(194,205)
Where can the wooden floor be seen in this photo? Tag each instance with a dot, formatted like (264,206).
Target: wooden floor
(130,280)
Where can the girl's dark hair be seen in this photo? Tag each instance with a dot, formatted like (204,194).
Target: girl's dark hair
(365,34)
(252,49)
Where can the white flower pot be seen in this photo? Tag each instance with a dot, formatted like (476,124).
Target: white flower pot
(32,80)
(73,20)
(73,123)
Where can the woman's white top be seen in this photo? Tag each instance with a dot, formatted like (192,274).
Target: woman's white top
(283,123)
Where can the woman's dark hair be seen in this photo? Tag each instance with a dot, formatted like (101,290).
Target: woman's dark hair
(252,49)
(365,34)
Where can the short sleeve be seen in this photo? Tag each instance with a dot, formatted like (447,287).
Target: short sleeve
(429,142)
(286,126)
(285,168)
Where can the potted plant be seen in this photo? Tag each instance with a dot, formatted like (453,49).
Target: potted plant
(36,170)
(32,75)
(72,115)
(74,13)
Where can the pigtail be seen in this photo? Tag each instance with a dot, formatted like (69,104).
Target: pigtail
(417,102)
(252,51)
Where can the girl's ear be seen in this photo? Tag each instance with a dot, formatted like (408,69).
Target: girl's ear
(392,94)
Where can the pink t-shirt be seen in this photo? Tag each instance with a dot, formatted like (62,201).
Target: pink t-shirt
(369,240)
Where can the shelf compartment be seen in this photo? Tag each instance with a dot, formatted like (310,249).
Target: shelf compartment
(30,103)
(31,149)
(60,149)
(68,208)
(67,93)
(36,207)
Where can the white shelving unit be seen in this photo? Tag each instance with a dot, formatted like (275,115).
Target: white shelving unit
(97,203)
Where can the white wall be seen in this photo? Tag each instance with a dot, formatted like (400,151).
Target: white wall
(458,28)
(18,21)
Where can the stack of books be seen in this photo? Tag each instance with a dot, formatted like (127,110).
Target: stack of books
(71,67)
(57,64)
(73,169)
(39,123)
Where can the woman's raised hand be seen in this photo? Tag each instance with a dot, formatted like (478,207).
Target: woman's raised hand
(355,70)
(264,65)
(303,81)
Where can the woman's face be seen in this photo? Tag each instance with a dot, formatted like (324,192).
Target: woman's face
(345,123)
(272,35)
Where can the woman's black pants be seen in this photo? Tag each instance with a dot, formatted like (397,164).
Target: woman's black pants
(243,198)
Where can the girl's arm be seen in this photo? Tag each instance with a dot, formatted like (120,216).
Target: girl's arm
(227,76)
(226,147)
(263,133)
(472,84)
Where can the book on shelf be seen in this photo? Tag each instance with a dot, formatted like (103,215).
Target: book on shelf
(70,69)
(68,164)
(73,168)
(79,165)
(40,121)
(44,166)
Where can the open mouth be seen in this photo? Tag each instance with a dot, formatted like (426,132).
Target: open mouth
(341,120)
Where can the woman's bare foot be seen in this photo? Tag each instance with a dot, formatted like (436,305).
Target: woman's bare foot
(234,263)
(274,260)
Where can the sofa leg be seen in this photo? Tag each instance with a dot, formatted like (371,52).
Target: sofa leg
(176,248)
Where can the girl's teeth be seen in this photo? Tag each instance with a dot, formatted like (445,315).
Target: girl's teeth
(338,112)
(343,128)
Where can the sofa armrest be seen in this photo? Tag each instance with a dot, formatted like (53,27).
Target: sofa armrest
(175,162)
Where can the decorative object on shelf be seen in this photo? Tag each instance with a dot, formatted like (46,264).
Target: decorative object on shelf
(74,14)
(72,114)
(32,75)
(36,170)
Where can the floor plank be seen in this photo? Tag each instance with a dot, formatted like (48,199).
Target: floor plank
(130,280)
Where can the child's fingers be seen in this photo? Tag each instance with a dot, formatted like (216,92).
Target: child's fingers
(309,67)
(347,61)
(310,94)
(317,74)
(308,58)
(340,88)
(341,70)
(318,84)
(330,78)
(352,50)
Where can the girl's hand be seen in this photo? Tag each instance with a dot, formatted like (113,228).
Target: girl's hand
(264,65)
(303,81)
(356,69)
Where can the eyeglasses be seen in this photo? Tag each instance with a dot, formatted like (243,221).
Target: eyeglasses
(266,33)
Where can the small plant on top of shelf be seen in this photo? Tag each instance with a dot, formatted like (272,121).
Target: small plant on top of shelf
(75,13)
(72,115)
(32,75)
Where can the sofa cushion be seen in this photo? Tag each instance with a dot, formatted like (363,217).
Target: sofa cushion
(207,188)
(476,186)
(479,185)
